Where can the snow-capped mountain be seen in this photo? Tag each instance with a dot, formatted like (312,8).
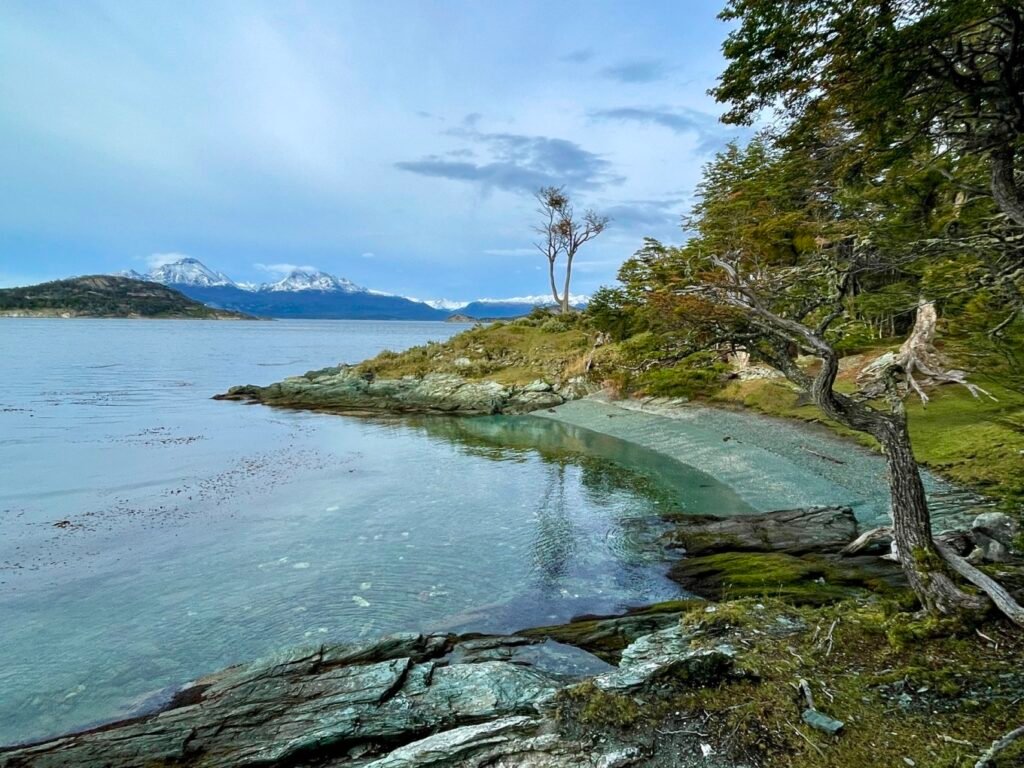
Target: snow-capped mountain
(189,271)
(305,279)
(302,293)
(310,293)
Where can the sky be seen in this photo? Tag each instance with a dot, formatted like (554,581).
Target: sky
(396,144)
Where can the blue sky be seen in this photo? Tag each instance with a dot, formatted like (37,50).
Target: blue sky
(392,143)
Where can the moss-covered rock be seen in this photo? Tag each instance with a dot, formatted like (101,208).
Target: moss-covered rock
(805,580)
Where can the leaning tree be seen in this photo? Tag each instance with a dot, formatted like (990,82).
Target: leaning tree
(781,256)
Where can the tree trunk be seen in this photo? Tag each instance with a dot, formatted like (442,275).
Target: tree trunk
(554,287)
(912,530)
(568,278)
(1007,194)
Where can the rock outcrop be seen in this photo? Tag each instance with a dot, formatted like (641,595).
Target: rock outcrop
(403,700)
(793,531)
(348,389)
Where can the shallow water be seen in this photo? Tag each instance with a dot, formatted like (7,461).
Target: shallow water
(149,534)
(772,464)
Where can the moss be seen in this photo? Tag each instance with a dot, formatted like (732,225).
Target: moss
(807,580)
(589,705)
(905,629)
(938,701)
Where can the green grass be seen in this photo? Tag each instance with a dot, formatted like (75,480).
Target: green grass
(516,352)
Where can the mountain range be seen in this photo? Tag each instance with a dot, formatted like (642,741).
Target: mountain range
(309,293)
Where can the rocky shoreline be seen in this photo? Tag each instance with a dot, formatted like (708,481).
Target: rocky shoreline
(348,389)
(548,697)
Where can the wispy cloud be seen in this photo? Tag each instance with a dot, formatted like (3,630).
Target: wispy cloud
(711,134)
(637,71)
(579,56)
(520,163)
(641,214)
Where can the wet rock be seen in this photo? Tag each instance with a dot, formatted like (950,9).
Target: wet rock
(607,636)
(312,702)
(347,388)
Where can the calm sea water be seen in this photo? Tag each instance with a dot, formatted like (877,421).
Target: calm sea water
(149,534)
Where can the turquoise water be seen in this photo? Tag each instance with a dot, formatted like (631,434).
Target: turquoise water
(771,464)
(150,534)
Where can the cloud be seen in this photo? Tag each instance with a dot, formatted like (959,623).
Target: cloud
(283,269)
(637,71)
(711,134)
(157,260)
(520,163)
(471,120)
(369,255)
(638,214)
(580,56)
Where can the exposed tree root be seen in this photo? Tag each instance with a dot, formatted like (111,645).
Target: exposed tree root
(996,593)
(918,355)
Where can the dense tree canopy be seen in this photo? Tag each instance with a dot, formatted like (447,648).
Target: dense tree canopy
(882,203)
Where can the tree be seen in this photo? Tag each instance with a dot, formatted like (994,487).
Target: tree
(898,71)
(563,233)
(783,254)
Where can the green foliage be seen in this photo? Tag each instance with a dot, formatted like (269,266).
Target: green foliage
(698,375)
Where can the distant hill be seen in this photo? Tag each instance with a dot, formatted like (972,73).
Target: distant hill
(105,296)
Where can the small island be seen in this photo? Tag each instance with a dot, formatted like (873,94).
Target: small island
(106,296)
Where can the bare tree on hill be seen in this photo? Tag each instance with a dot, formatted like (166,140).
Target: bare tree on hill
(562,233)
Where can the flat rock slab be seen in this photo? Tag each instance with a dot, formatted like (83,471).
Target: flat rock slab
(792,531)
(323,701)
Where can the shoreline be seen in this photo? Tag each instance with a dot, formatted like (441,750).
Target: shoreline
(806,464)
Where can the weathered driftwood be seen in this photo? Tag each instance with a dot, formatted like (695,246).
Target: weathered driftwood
(959,541)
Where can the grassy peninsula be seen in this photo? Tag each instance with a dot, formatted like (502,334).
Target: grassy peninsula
(106,296)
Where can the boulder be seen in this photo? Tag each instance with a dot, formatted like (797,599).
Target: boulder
(791,531)
(996,536)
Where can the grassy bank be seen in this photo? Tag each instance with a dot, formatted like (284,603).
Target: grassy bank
(541,346)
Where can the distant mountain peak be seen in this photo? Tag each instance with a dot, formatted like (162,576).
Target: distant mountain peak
(308,279)
(189,271)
